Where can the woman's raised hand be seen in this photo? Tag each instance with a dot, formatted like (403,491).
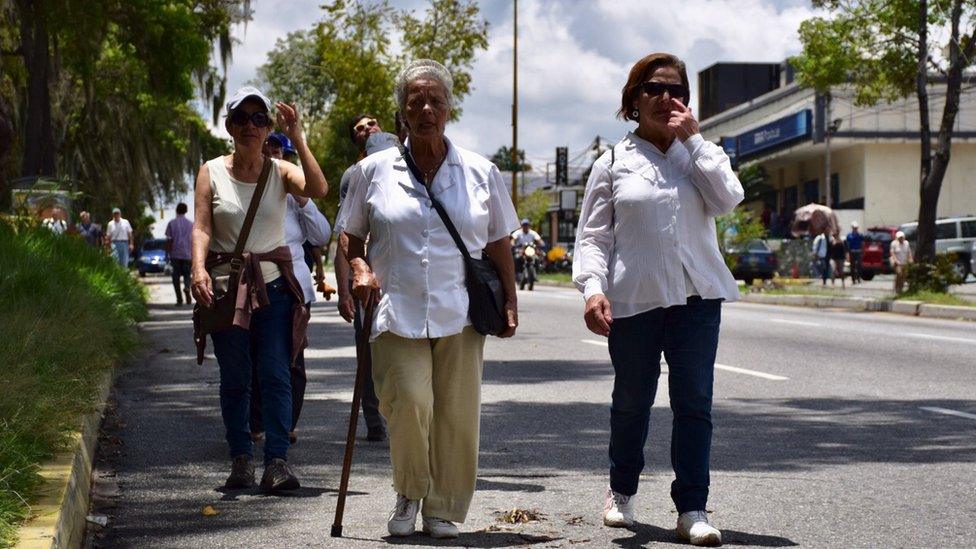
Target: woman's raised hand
(288,122)
(682,122)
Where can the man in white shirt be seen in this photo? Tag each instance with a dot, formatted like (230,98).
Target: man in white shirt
(901,255)
(56,223)
(119,234)
(526,236)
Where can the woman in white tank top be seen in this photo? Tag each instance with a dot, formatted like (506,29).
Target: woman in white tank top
(272,331)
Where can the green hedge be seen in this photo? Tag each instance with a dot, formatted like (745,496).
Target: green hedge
(67,315)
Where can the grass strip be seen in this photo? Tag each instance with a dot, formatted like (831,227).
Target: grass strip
(67,314)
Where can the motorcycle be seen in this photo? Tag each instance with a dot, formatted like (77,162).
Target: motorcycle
(528,257)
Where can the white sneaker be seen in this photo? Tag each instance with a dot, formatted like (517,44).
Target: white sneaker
(694,527)
(403,519)
(440,528)
(618,510)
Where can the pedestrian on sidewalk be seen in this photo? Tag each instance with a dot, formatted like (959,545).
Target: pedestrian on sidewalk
(900,257)
(364,130)
(179,238)
(90,232)
(119,235)
(427,358)
(663,174)
(855,246)
(303,223)
(821,254)
(273,328)
(56,222)
(838,253)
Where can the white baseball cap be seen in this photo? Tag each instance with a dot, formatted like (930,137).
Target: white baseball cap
(854,225)
(900,234)
(244,93)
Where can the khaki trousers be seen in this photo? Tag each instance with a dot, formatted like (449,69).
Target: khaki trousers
(430,395)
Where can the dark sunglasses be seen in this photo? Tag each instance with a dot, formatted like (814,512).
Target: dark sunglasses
(678,91)
(260,119)
(362,127)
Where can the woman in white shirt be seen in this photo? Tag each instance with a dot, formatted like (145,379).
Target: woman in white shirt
(427,359)
(648,263)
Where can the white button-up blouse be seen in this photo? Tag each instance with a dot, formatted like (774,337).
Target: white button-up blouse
(415,260)
(648,230)
(304,223)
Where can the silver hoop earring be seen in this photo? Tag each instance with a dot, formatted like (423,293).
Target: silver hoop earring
(635,114)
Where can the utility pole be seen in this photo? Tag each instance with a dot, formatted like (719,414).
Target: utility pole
(515,156)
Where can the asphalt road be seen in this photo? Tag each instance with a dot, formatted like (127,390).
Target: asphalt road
(831,429)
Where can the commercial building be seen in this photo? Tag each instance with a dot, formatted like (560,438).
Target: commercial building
(874,151)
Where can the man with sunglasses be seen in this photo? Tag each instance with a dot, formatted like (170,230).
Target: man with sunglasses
(362,128)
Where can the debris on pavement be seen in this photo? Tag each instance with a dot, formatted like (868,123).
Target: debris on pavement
(209,511)
(520,516)
(100,520)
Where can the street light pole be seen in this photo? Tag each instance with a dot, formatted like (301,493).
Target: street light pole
(515,157)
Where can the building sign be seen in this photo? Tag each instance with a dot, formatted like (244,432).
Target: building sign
(780,132)
(728,145)
(562,166)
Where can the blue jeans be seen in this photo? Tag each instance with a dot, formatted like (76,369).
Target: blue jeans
(688,337)
(120,249)
(270,339)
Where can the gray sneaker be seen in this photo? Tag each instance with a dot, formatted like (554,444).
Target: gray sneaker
(241,474)
(278,477)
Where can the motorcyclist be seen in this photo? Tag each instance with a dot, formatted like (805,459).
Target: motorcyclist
(522,238)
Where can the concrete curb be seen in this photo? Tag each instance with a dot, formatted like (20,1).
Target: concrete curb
(911,308)
(59,514)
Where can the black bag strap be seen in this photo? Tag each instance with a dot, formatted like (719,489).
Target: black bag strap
(237,260)
(412,166)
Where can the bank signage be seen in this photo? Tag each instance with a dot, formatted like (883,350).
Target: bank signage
(779,132)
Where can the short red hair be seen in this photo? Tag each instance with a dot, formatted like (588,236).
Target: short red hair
(640,72)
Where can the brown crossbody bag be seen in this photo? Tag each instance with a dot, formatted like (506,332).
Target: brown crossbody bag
(221,315)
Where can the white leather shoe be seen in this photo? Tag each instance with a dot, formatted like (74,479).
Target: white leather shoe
(403,519)
(694,527)
(618,510)
(440,528)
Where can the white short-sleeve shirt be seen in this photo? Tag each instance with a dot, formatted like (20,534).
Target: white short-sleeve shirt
(414,258)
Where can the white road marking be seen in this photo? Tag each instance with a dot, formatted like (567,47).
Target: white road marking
(942,338)
(797,322)
(947,412)
(718,366)
(747,372)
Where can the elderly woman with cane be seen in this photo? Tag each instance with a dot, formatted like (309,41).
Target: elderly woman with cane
(648,264)
(427,358)
(269,318)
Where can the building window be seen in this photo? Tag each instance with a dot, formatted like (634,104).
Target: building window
(811,191)
(969,229)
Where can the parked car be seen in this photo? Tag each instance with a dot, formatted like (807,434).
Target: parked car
(953,235)
(152,256)
(755,260)
(875,251)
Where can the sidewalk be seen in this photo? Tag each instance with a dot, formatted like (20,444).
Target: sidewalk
(883,286)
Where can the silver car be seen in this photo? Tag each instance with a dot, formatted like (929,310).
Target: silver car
(953,235)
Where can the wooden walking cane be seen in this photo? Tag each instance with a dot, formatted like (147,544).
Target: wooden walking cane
(363,327)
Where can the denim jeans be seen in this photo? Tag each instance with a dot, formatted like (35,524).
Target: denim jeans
(299,381)
(270,338)
(120,249)
(181,268)
(688,337)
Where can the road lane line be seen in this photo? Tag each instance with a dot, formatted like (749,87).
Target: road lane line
(718,366)
(947,412)
(747,372)
(797,322)
(942,338)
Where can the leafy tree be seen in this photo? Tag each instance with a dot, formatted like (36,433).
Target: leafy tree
(353,66)
(104,88)
(534,206)
(886,51)
(755,182)
(503,159)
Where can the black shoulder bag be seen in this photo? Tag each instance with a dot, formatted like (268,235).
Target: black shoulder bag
(486,297)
